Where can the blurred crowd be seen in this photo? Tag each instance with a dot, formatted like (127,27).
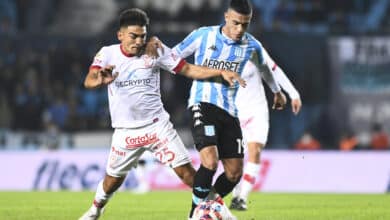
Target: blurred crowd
(324,16)
(41,74)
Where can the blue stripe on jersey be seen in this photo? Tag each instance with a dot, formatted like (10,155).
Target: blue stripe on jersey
(198,61)
(225,90)
(216,53)
(190,39)
(237,52)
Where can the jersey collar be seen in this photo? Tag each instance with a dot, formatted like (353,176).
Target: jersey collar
(125,53)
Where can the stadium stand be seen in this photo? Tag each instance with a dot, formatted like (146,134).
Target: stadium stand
(45,51)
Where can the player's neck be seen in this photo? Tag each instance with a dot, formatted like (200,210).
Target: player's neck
(124,52)
(224,34)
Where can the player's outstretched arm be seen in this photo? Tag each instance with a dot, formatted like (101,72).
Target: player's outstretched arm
(201,72)
(99,77)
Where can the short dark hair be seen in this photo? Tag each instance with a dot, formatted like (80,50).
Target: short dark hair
(133,16)
(241,6)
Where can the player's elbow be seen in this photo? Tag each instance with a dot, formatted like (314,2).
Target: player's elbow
(186,70)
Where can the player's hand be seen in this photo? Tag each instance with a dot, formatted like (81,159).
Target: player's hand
(232,78)
(105,75)
(296,105)
(279,101)
(152,46)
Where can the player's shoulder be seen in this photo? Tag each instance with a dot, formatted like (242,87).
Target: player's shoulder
(110,48)
(109,51)
(206,29)
(253,40)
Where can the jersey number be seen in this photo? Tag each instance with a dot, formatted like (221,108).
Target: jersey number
(165,155)
(240,147)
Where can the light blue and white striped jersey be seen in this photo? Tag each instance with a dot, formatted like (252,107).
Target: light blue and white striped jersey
(213,49)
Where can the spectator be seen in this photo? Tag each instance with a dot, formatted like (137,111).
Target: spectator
(307,142)
(379,138)
(348,141)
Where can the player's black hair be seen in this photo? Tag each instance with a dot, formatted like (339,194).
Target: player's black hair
(241,6)
(133,16)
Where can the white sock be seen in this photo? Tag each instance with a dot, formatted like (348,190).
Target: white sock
(248,180)
(237,189)
(101,197)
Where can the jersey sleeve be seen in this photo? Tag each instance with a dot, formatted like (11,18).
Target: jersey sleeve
(169,61)
(190,44)
(100,59)
(262,60)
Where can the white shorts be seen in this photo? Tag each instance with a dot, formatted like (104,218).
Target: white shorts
(255,125)
(160,138)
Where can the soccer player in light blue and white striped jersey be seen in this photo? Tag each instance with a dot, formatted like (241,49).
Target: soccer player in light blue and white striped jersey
(216,129)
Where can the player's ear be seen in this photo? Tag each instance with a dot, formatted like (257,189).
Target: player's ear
(119,35)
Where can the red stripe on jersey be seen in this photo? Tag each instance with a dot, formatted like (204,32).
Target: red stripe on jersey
(179,66)
(125,53)
(95,67)
(274,67)
(249,178)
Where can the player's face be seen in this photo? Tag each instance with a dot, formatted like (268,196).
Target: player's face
(236,24)
(132,38)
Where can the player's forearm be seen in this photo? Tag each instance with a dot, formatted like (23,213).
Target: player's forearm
(285,83)
(92,81)
(269,78)
(199,72)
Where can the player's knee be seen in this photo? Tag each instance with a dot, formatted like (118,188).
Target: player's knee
(234,176)
(210,164)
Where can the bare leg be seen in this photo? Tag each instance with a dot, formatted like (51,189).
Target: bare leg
(186,173)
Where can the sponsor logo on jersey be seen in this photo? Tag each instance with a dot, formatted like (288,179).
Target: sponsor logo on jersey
(221,64)
(134,142)
(212,47)
(196,107)
(209,130)
(197,122)
(118,151)
(133,82)
(239,52)
(197,115)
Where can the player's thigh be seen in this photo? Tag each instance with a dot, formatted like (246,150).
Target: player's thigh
(169,148)
(255,126)
(230,138)
(124,154)
(204,125)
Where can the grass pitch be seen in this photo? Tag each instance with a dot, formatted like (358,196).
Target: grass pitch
(174,205)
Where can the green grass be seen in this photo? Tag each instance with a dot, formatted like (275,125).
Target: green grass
(174,205)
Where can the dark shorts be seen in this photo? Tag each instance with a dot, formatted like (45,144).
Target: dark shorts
(212,125)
